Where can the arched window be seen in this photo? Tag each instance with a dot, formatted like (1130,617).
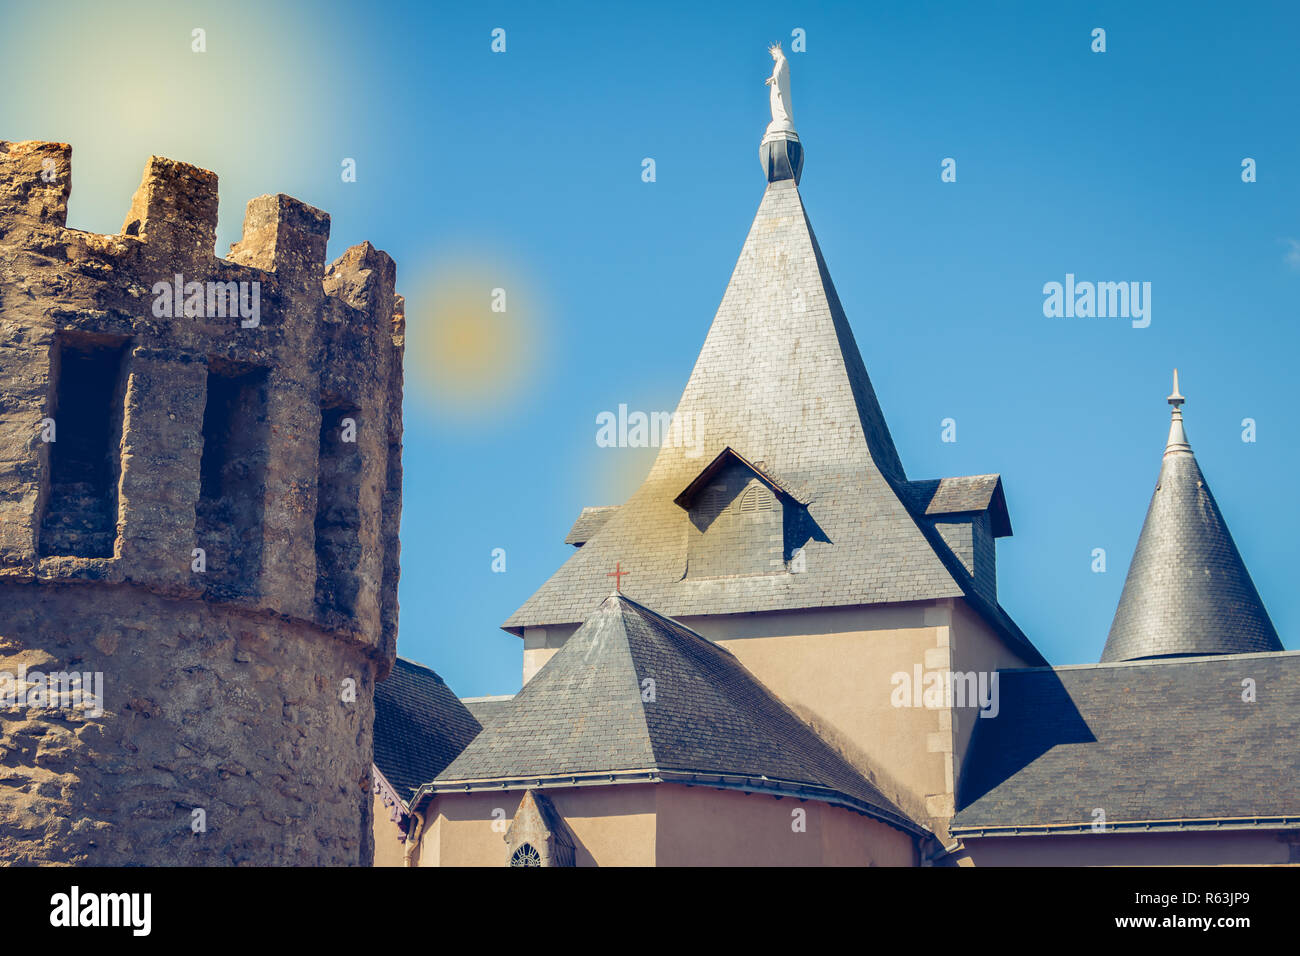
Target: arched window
(755,499)
(526,855)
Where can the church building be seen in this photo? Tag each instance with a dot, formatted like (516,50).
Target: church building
(714,676)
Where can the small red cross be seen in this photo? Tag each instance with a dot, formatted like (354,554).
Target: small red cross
(617,574)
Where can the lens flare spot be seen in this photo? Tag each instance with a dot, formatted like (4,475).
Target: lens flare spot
(472,337)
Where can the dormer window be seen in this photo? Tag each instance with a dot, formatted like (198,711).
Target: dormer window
(739,518)
(756,498)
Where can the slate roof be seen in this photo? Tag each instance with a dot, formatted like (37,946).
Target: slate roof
(1157,740)
(781,381)
(725,457)
(583,713)
(589,521)
(1187,590)
(971,493)
(420,726)
(485,708)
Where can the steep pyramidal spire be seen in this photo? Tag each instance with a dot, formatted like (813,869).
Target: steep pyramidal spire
(1187,590)
(779,381)
(778,486)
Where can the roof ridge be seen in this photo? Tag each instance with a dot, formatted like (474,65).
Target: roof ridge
(673,622)
(622,604)
(876,430)
(1154,661)
(423,667)
(736,699)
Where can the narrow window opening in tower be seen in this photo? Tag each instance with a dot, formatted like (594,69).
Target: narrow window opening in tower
(88,398)
(338,509)
(389,522)
(232,472)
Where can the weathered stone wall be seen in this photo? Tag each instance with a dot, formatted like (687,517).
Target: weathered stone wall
(231,712)
(240,655)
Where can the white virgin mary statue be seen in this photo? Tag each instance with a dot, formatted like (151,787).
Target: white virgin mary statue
(779,81)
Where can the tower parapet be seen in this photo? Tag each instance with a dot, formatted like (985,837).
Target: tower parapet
(200,489)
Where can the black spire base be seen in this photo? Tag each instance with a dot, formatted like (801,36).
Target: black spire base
(782,157)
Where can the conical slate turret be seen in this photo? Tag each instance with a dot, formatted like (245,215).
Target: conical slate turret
(1187,590)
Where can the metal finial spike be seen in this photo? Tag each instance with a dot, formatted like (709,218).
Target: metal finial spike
(1177,436)
(1176,398)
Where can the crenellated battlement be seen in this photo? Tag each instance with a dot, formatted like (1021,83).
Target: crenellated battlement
(200,492)
(173,220)
(222,379)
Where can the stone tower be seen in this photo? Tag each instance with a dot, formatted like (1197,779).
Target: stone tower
(200,489)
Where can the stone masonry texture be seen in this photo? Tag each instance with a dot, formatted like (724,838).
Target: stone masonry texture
(200,530)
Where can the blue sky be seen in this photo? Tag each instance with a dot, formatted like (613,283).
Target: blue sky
(522,170)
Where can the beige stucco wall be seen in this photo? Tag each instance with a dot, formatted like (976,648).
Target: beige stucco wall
(834,666)
(610,826)
(667,825)
(974,648)
(540,643)
(389,848)
(700,826)
(1239,848)
(674,825)
(459,829)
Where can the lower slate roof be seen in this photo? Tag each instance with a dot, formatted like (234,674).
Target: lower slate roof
(485,708)
(420,726)
(632,696)
(1165,742)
